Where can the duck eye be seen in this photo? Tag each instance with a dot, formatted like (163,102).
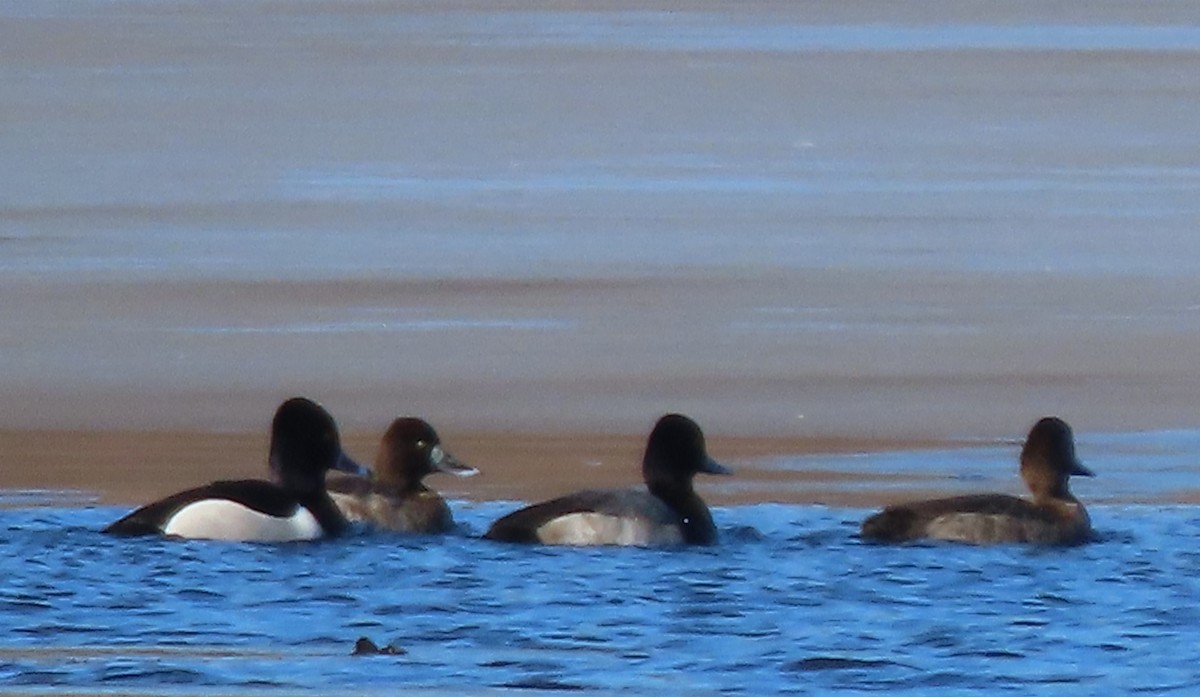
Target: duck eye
(422,444)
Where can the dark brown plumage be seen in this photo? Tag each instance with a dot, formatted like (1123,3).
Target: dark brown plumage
(1053,516)
(396,498)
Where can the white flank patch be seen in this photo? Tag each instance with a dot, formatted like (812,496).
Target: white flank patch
(585,529)
(220,519)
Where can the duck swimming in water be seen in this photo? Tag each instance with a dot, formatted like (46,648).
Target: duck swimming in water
(294,506)
(669,512)
(395,497)
(1053,517)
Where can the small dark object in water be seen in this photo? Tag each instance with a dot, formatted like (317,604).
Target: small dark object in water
(838,663)
(366,647)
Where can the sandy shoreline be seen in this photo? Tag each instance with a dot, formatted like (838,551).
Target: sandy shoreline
(137,390)
(846,353)
(126,468)
(810,228)
(130,467)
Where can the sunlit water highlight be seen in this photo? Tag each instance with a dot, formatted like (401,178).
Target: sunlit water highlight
(790,602)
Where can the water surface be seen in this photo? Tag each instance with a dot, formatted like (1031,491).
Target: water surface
(789,602)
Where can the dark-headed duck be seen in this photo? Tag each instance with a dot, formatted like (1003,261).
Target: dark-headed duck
(670,513)
(1053,517)
(304,445)
(395,498)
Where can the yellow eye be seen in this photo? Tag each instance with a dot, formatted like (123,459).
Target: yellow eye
(422,444)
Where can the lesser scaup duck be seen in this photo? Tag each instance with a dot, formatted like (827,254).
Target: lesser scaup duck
(669,513)
(304,445)
(1053,517)
(394,498)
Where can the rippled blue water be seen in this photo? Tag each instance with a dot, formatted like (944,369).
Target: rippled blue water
(791,602)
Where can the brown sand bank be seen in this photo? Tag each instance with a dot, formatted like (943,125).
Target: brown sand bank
(536,224)
(845,353)
(125,467)
(135,390)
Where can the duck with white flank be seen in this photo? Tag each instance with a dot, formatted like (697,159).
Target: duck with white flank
(669,513)
(304,445)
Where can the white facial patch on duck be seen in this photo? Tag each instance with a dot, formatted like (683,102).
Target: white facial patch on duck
(221,519)
(437,462)
(588,529)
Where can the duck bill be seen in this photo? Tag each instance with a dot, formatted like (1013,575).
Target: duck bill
(711,466)
(443,461)
(347,464)
(1078,469)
